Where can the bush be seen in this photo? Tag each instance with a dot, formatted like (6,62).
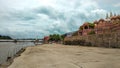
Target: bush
(91,25)
(91,32)
(55,37)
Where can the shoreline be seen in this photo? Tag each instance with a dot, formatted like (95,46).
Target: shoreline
(18,54)
(51,56)
(10,60)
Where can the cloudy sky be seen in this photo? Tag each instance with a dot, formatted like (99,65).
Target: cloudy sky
(38,18)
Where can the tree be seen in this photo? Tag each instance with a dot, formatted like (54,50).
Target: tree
(91,25)
(55,37)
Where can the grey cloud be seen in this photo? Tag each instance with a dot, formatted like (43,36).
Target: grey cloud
(44,20)
(23,16)
(50,12)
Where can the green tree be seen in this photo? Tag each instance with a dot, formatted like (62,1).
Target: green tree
(91,25)
(55,37)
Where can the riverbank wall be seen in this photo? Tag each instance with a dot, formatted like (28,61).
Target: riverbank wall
(111,40)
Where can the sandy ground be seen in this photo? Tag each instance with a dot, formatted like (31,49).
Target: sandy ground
(63,56)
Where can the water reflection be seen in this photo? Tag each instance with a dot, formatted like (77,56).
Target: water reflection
(9,49)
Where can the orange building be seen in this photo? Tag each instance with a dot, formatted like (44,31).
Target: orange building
(85,29)
(101,26)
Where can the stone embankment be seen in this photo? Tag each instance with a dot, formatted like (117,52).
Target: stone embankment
(111,40)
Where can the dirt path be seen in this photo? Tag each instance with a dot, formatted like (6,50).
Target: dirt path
(61,56)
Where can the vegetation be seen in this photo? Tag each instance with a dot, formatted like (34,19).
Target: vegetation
(62,37)
(91,25)
(55,37)
(91,32)
(81,28)
(5,37)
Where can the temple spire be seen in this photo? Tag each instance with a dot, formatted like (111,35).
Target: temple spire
(115,14)
(111,14)
(107,16)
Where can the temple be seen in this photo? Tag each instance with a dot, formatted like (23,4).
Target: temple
(110,24)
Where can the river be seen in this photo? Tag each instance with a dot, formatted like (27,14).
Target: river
(9,49)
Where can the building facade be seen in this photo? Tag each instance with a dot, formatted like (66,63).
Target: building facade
(110,24)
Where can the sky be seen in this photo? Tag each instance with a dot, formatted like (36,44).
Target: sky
(39,18)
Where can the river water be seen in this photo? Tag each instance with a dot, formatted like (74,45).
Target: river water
(9,49)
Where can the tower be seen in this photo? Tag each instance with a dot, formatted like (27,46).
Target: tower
(111,14)
(115,14)
(107,16)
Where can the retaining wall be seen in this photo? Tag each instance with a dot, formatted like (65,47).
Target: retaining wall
(102,40)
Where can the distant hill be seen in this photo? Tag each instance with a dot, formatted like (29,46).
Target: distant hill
(5,37)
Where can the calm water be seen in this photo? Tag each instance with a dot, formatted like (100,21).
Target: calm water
(9,49)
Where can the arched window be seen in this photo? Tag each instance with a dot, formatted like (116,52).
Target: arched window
(86,27)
